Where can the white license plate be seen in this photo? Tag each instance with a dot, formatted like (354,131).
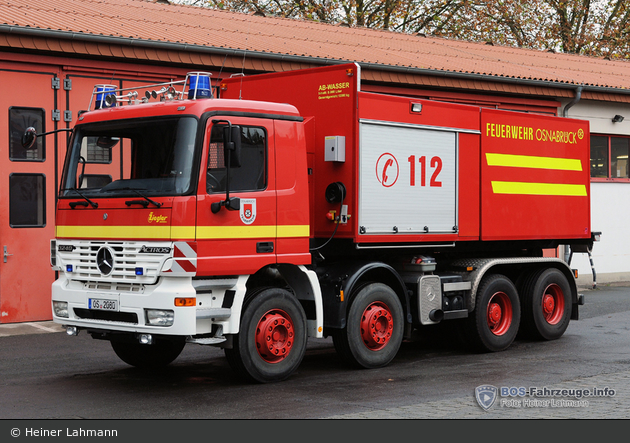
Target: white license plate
(102,304)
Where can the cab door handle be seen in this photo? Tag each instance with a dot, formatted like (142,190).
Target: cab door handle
(264,247)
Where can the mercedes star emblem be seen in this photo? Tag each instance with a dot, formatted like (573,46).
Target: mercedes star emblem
(105,260)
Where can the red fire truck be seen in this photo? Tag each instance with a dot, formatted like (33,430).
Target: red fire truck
(296,206)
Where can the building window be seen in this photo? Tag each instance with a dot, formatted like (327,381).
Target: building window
(609,157)
(19,120)
(27,200)
(95,152)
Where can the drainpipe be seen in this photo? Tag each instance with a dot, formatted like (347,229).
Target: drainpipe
(565,113)
(578,95)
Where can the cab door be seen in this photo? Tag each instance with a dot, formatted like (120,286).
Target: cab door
(243,240)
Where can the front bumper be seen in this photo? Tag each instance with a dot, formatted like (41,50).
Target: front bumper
(131,315)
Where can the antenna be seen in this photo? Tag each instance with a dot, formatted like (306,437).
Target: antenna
(218,86)
(240,92)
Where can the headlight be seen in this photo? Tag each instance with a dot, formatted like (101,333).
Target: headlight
(60,308)
(160,317)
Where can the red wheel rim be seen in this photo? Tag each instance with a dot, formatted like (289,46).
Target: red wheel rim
(553,304)
(274,336)
(499,313)
(377,325)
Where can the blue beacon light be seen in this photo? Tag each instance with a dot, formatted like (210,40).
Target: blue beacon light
(102,91)
(200,84)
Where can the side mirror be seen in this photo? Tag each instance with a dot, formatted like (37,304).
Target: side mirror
(232,146)
(106,142)
(29,137)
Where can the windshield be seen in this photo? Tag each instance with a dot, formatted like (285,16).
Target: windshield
(154,156)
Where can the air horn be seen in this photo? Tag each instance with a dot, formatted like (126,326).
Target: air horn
(111,99)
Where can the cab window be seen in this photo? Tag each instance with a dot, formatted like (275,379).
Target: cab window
(251,175)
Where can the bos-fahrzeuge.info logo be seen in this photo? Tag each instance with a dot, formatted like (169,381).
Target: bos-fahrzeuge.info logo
(535,397)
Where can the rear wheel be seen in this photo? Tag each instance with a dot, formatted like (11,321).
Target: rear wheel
(374,329)
(546,305)
(156,355)
(495,321)
(272,339)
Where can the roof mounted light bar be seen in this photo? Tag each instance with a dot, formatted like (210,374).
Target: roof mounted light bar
(195,86)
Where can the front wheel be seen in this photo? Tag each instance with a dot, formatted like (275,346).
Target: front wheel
(272,339)
(495,321)
(546,305)
(154,356)
(374,329)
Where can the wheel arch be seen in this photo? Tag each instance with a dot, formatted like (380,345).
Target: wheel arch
(301,282)
(517,269)
(340,282)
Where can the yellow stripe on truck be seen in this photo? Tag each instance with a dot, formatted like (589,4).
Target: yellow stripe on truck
(122,232)
(522,188)
(285,231)
(183,232)
(528,161)
(281,231)
(216,232)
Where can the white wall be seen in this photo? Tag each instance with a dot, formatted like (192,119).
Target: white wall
(610,202)
(610,214)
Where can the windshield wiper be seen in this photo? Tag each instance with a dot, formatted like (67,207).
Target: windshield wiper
(144,202)
(85,203)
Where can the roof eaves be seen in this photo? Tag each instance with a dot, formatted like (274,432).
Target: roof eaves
(82,38)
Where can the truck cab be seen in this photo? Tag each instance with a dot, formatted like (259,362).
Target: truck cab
(165,207)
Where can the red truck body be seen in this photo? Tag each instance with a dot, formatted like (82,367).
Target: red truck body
(296,206)
(505,175)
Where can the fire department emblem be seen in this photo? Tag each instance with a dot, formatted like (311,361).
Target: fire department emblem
(248,210)
(486,396)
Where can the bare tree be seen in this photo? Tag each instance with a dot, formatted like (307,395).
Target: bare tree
(592,27)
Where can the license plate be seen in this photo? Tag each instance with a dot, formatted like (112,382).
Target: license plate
(102,304)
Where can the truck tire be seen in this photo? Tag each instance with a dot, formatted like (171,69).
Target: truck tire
(546,305)
(154,356)
(272,339)
(493,325)
(374,328)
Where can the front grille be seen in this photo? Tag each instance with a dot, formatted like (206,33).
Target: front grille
(114,286)
(127,258)
(123,317)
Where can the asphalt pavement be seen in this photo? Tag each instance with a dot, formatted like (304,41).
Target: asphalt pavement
(603,305)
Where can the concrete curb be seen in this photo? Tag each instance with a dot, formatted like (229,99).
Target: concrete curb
(43,327)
